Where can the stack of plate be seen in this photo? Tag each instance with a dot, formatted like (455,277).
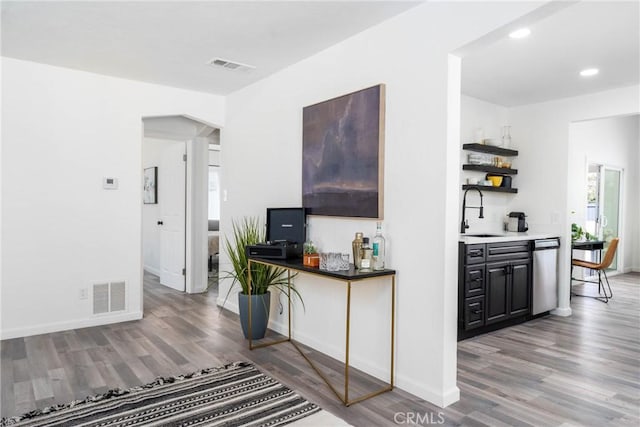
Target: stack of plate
(480,159)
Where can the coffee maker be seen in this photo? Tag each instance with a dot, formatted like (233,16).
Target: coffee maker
(516,222)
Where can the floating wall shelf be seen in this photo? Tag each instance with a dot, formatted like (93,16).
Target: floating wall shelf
(491,188)
(481,148)
(490,169)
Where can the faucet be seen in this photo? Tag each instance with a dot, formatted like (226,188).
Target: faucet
(464,225)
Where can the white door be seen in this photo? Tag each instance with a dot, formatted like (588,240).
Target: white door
(171,197)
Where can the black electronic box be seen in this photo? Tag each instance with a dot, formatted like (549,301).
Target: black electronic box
(286,234)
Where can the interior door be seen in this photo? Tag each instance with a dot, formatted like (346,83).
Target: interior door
(172,199)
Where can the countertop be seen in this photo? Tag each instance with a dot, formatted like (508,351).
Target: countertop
(504,236)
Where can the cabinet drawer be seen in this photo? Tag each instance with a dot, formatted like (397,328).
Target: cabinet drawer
(474,280)
(508,250)
(474,254)
(473,312)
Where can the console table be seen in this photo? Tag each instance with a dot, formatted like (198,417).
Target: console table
(348,277)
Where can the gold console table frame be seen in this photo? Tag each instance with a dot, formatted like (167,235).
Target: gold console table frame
(348,277)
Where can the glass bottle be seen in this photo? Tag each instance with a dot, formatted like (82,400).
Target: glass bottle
(366,260)
(378,248)
(506,136)
(357,249)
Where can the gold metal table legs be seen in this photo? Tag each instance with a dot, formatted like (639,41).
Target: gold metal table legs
(344,398)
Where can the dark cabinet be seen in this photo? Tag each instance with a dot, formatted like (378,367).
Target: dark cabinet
(473,312)
(494,285)
(508,290)
(521,279)
(497,292)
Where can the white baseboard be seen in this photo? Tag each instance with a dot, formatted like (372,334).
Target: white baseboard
(563,312)
(47,328)
(151,270)
(634,270)
(441,400)
(336,352)
(404,382)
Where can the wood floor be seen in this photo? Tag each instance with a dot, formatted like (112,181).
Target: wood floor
(579,370)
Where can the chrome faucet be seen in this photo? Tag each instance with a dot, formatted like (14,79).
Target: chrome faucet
(465,224)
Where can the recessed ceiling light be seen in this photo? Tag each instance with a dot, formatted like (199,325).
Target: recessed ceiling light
(589,72)
(520,34)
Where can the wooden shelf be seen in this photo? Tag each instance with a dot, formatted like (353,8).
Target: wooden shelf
(481,148)
(491,188)
(490,169)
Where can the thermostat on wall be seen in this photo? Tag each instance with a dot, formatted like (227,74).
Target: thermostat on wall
(109,183)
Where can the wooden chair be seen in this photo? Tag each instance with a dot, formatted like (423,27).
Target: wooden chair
(600,268)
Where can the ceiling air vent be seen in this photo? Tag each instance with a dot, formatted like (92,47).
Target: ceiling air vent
(230,65)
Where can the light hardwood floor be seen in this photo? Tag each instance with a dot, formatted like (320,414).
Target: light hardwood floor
(578,370)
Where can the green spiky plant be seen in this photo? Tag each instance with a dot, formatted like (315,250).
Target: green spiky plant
(250,232)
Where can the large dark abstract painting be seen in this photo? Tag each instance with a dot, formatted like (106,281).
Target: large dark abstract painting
(343,155)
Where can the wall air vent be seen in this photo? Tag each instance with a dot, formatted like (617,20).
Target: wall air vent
(109,297)
(230,65)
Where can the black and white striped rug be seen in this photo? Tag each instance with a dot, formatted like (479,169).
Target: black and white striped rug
(233,395)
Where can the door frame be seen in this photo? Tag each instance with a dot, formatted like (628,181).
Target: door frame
(196,238)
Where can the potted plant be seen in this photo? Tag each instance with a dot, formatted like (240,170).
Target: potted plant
(310,257)
(577,233)
(249,232)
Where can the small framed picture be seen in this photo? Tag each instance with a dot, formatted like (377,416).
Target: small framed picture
(150,189)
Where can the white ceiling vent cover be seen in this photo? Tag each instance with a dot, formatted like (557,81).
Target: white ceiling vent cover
(109,297)
(230,65)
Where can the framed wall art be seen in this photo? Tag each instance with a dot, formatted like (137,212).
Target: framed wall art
(343,155)
(150,188)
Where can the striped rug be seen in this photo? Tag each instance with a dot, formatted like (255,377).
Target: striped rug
(233,395)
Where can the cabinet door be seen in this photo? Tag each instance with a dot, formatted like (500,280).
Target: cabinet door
(520,288)
(473,312)
(497,292)
(474,280)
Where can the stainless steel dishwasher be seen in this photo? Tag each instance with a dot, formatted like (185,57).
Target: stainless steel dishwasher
(545,275)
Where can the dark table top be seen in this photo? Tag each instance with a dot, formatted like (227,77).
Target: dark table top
(352,274)
(588,245)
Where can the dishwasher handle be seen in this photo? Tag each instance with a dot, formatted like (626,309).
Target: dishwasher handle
(543,244)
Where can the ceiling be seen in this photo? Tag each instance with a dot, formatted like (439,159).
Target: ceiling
(170,43)
(546,65)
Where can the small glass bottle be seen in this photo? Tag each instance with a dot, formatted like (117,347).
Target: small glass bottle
(357,249)
(506,136)
(378,248)
(367,255)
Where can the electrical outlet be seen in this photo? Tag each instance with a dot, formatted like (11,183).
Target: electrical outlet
(84,293)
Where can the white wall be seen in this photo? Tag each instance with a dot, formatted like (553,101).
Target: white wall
(541,132)
(63,131)
(263,134)
(152,149)
(476,113)
(612,142)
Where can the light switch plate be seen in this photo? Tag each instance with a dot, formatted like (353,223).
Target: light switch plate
(110,183)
